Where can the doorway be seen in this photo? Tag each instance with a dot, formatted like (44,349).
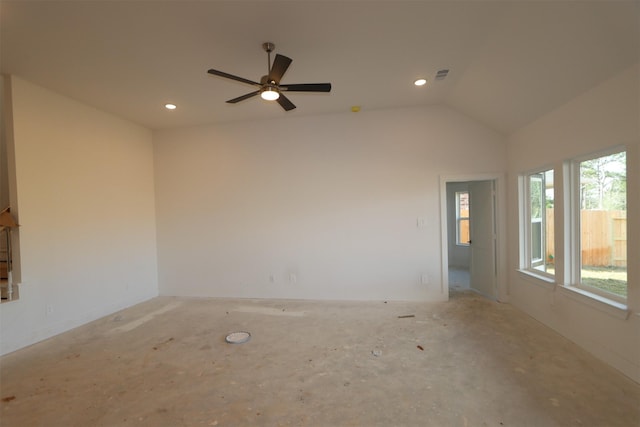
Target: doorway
(458,235)
(470,235)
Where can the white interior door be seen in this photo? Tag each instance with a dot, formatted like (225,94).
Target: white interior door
(483,237)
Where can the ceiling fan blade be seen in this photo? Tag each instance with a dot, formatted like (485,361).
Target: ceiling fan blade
(285,103)
(307,87)
(243,97)
(232,77)
(279,67)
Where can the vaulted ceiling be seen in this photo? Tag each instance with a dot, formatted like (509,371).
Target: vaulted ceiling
(510,62)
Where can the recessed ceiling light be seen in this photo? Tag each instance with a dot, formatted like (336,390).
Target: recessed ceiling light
(170,106)
(420,82)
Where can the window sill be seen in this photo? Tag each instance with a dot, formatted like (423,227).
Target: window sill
(546,282)
(609,306)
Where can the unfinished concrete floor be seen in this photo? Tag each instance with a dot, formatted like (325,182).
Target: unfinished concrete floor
(467,362)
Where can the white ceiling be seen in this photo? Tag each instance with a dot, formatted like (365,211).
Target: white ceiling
(510,61)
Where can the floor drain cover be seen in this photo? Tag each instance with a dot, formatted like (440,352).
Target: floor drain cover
(238,337)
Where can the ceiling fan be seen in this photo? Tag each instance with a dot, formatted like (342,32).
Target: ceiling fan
(269,86)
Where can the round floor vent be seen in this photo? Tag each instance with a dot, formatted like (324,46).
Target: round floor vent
(238,337)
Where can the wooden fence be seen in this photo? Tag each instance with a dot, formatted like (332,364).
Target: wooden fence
(603,238)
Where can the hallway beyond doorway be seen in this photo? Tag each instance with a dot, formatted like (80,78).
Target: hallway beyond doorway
(458,279)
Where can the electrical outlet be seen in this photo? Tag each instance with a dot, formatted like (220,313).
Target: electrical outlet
(421,222)
(293,278)
(49,309)
(424,279)
(272,278)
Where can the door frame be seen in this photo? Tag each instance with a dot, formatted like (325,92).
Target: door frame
(502,293)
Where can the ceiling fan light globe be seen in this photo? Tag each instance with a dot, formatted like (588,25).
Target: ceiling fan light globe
(269,94)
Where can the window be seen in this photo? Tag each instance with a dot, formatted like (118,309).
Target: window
(462,218)
(9,236)
(594,214)
(538,230)
(599,218)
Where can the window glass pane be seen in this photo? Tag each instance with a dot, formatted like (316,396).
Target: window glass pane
(541,237)
(463,204)
(463,231)
(549,236)
(535,193)
(603,223)
(536,242)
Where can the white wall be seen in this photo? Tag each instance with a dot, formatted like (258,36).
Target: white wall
(333,200)
(606,116)
(87,215)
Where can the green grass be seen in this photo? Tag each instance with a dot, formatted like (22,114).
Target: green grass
(610,279)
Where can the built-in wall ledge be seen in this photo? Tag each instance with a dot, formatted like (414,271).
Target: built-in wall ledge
(609,306)
(548,283)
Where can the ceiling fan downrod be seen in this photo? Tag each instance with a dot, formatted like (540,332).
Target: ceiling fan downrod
(268,47)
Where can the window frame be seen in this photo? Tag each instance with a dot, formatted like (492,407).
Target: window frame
(541,221)
(527,263)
